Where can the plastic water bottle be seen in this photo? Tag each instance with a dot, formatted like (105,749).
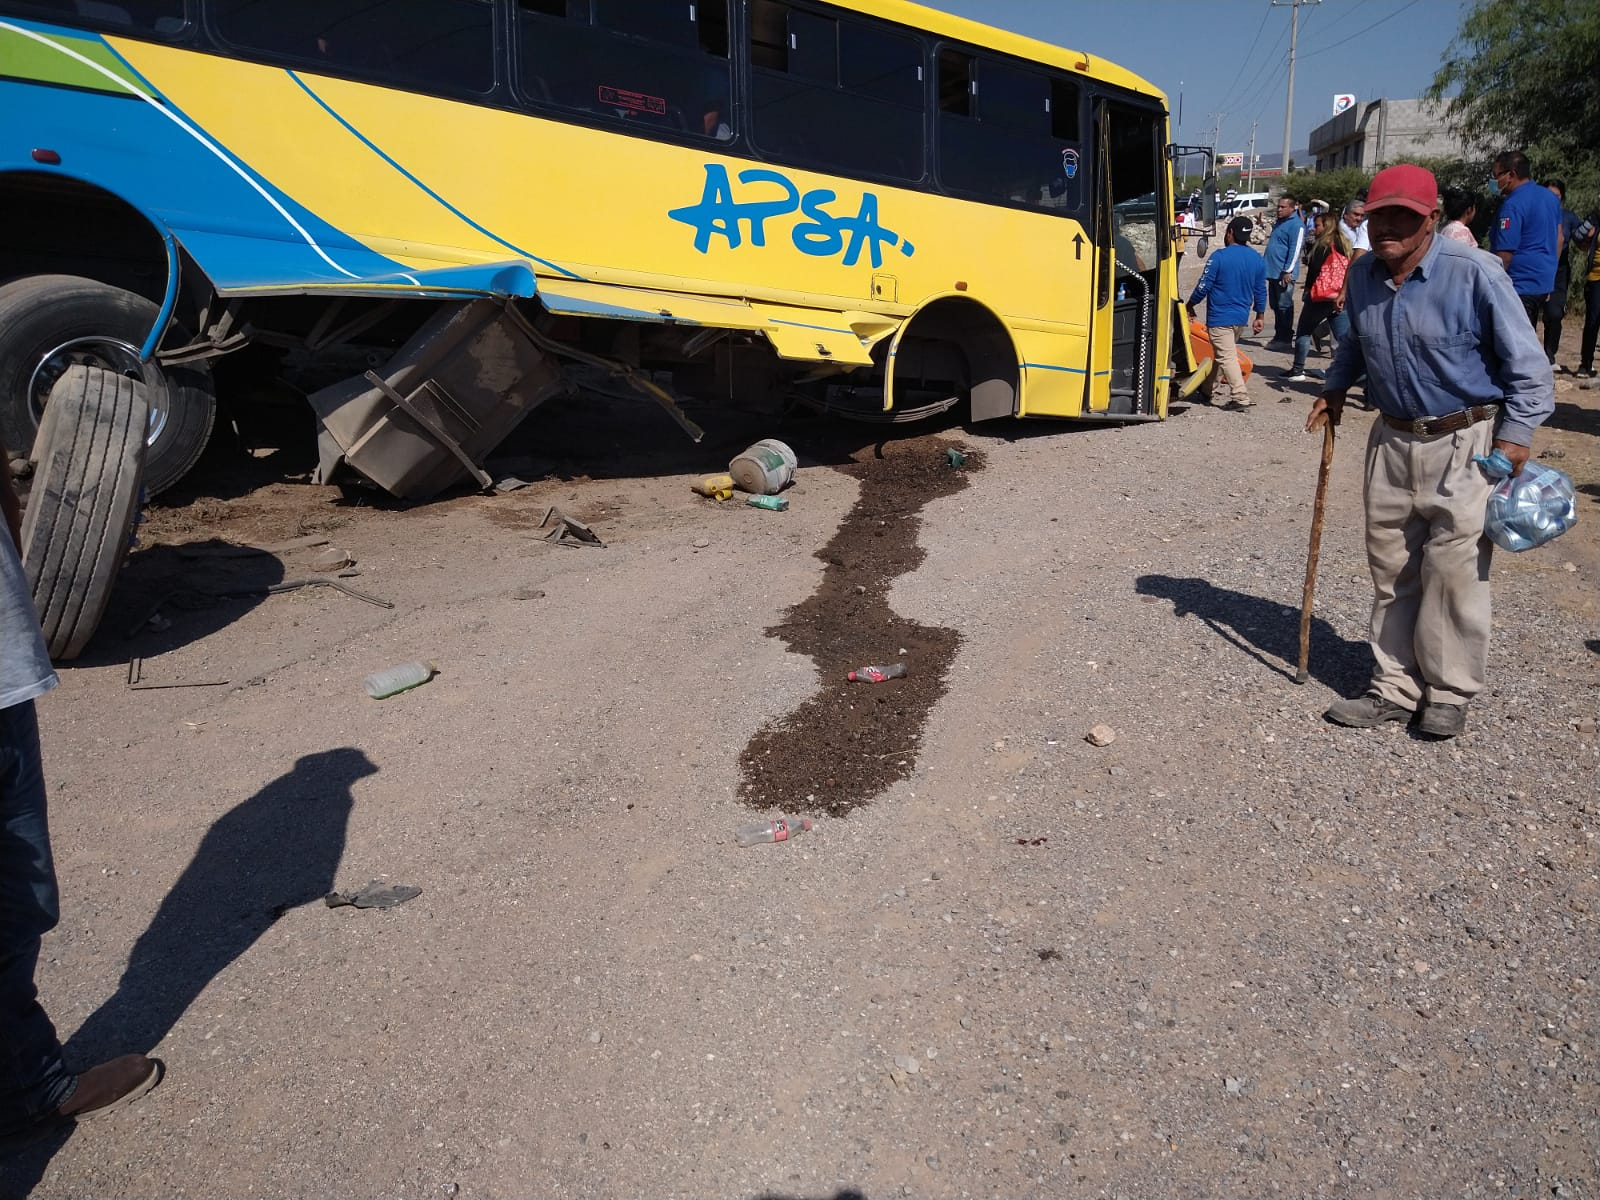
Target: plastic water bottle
(780,830)
(391,681)
(1530,509)
(877,674)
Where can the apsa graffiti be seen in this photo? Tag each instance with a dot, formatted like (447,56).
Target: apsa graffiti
(767,195)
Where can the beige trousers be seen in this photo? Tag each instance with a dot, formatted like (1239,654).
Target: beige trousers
(1429,559)
(1225,348)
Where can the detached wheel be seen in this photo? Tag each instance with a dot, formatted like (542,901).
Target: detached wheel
(85,498)
(49,323)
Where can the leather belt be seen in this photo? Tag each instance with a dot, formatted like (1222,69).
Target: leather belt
(1428,426)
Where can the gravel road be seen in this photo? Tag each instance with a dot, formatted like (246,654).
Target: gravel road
(1234,952)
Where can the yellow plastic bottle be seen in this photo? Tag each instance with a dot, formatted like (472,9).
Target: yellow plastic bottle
(718,487)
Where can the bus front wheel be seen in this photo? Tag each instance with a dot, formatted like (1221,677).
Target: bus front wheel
(49,323)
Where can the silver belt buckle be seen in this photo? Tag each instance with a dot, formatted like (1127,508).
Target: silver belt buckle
(1419,427)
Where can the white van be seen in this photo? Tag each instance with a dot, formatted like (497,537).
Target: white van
(1249,204)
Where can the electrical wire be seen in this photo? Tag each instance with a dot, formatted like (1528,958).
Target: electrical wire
(1363,32)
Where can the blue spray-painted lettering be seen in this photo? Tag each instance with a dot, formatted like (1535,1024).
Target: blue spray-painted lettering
(822,234)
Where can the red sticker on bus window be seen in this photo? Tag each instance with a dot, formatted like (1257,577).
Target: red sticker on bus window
(634,101)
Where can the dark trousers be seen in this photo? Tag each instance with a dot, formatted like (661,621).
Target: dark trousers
(1281,300)
(1591,324)
(1533,306)
(1555,309)
(33,1078)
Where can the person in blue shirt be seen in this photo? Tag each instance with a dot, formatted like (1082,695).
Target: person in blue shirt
(1527,232)
(1453,373)
(1233,279)
(1282,257)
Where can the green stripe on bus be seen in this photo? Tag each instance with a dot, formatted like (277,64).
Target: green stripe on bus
(22,57)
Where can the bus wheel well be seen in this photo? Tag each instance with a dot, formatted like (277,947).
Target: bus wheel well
(993,379)
(60,226)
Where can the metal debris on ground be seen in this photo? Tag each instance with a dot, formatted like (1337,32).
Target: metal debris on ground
(375,895)
(334,559)
(568,531)
(138,683)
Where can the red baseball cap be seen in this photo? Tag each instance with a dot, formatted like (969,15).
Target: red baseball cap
(1404,186)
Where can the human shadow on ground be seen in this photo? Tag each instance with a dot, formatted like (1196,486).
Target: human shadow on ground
(1574,418)
(1267,631)
(274,851)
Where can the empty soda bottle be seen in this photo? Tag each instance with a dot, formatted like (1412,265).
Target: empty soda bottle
(391,681)
(877,674)
(1531,508)
(779,830)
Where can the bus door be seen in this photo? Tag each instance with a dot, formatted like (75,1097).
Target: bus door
(1132,233)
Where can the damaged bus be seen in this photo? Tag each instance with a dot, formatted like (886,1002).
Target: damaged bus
(427,216)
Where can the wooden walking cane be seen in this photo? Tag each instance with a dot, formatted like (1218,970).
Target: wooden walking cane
(1302,674)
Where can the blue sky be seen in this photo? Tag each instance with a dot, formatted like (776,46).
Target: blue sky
(1231,56)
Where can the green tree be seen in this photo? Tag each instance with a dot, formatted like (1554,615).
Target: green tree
(1522,74)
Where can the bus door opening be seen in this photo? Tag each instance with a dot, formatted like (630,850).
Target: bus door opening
(1132,243)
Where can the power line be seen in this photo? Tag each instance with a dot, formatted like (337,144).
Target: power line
(1252,88)
(1245,61)
(1363,32)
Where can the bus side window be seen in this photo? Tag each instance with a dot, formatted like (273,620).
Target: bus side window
(1009,134)
(656,65)
(841,93)
(425,44)
(165,17)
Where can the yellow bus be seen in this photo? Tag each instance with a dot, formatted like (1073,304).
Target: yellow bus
(869,204)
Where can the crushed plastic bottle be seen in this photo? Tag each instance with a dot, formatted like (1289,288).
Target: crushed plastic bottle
(1530,509)
(877,674)
(779,830)
(774,503)
(391,681)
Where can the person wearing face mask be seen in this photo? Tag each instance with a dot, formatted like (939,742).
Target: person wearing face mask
(1527,233)
(1454,371)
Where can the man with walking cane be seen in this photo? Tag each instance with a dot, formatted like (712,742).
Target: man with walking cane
(1454,369)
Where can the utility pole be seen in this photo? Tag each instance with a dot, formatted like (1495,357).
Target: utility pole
(1250,162)
(1216,132)
(1288,113)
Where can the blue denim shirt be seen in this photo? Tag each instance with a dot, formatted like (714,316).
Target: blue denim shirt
(1454,336)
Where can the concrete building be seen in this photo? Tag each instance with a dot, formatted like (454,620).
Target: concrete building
(1371,133)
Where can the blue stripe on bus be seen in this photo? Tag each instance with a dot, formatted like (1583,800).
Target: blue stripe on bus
(370,145)
(824,328)
(1097,374)
(1053,367)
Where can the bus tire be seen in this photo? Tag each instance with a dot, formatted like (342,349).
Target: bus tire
(50,322)
(84,501)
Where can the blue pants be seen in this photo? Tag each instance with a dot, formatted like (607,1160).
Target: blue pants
(1280,300)
(33,1078)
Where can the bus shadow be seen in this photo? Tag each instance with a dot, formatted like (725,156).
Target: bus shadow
(1266,630)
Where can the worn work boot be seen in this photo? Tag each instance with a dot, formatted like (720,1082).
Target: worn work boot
(111,1085)
(1365,712)
(1443,720)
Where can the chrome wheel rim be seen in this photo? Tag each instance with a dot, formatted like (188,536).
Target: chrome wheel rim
(111,354)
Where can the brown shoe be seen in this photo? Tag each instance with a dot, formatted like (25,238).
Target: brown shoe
(1443,720)
(111,1085)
